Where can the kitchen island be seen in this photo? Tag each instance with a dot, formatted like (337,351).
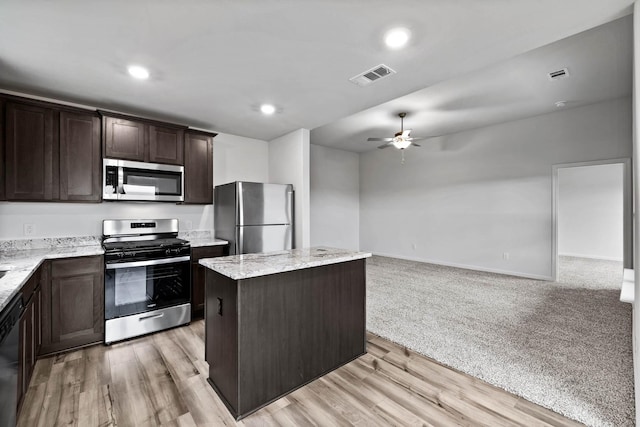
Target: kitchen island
(276,321)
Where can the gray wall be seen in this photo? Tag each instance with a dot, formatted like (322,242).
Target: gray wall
(469,198)
(335,207)
(590,211)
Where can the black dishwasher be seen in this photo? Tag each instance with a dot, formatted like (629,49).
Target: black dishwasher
(9,339)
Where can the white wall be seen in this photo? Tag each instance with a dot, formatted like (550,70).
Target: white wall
(467,199)
(335,199)
(234,158)
(590,211)
(289,164)
(85,219)
(636,201)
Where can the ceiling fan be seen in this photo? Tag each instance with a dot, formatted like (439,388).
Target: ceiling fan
(400,140)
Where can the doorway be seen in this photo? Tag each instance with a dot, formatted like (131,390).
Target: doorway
(592,216)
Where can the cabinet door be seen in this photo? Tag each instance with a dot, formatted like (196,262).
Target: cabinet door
(166,145)
(198,168)
(37,323)
(26,359)
(124,139)
(29,152)
(198,276)
(73,304)
(80,175)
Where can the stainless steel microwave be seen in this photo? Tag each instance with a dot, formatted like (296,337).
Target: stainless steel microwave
(137,181)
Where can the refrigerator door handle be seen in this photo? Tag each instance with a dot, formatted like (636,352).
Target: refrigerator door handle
(239,240)
(240,199)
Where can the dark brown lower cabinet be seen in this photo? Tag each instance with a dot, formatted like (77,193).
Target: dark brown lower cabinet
(198,275)
(30,333)
(73,303)
(266,336)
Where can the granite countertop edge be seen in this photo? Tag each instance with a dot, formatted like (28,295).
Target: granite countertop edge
(207,241)
(238,267)
(21,264)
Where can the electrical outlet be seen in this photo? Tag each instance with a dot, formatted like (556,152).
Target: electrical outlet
(29,229)
(414,246)
(505,256)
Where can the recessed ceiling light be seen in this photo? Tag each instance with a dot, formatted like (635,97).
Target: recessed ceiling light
(396,38)
(560,104)
(138,72)
(267,109)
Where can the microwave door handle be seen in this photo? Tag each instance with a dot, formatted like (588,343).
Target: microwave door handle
(120,180)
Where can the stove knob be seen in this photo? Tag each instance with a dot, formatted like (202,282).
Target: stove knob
(121,254)
(168,251)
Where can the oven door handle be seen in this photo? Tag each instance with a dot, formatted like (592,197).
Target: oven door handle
(113,266)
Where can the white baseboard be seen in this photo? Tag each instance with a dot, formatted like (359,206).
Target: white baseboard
(603,258)
(469,267)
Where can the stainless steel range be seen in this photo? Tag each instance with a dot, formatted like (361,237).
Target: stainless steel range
(147,278)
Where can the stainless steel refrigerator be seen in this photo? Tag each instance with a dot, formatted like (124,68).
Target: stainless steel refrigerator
(254,217)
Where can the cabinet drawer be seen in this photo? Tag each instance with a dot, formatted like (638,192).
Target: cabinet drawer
(31,285)
(75,266)
(208,252)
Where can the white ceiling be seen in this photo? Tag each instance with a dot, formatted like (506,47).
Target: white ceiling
(599,62)
(214,62)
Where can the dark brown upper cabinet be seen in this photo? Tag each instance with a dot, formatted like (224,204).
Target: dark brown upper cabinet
(31,146)
(166,145)
(198,167)
(80,177)
(52,152)
(124,139)
(142,140)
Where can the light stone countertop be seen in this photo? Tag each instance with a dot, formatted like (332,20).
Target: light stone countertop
(238,267)
(206,241)
(23,263)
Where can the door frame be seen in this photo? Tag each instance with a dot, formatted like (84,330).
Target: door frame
(627,207)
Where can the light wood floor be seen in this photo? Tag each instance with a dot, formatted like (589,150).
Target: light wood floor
(161,380)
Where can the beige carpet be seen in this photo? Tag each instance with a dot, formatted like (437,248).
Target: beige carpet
(564,345)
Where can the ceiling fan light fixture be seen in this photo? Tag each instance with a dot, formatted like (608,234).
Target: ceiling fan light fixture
(400,143)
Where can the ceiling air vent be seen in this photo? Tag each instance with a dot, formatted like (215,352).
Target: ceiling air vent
(559,74)
(376,73)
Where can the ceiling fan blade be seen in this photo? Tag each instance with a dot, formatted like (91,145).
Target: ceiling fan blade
(417,138)
(405,133)
(413,144)
(379,139)
(389,144)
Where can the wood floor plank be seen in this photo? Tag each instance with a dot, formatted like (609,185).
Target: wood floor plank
(32,405)
(161,379)
(166,401)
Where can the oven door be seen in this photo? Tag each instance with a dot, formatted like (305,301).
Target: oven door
(140,286)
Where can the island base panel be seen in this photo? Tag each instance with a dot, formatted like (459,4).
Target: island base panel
(282,330)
